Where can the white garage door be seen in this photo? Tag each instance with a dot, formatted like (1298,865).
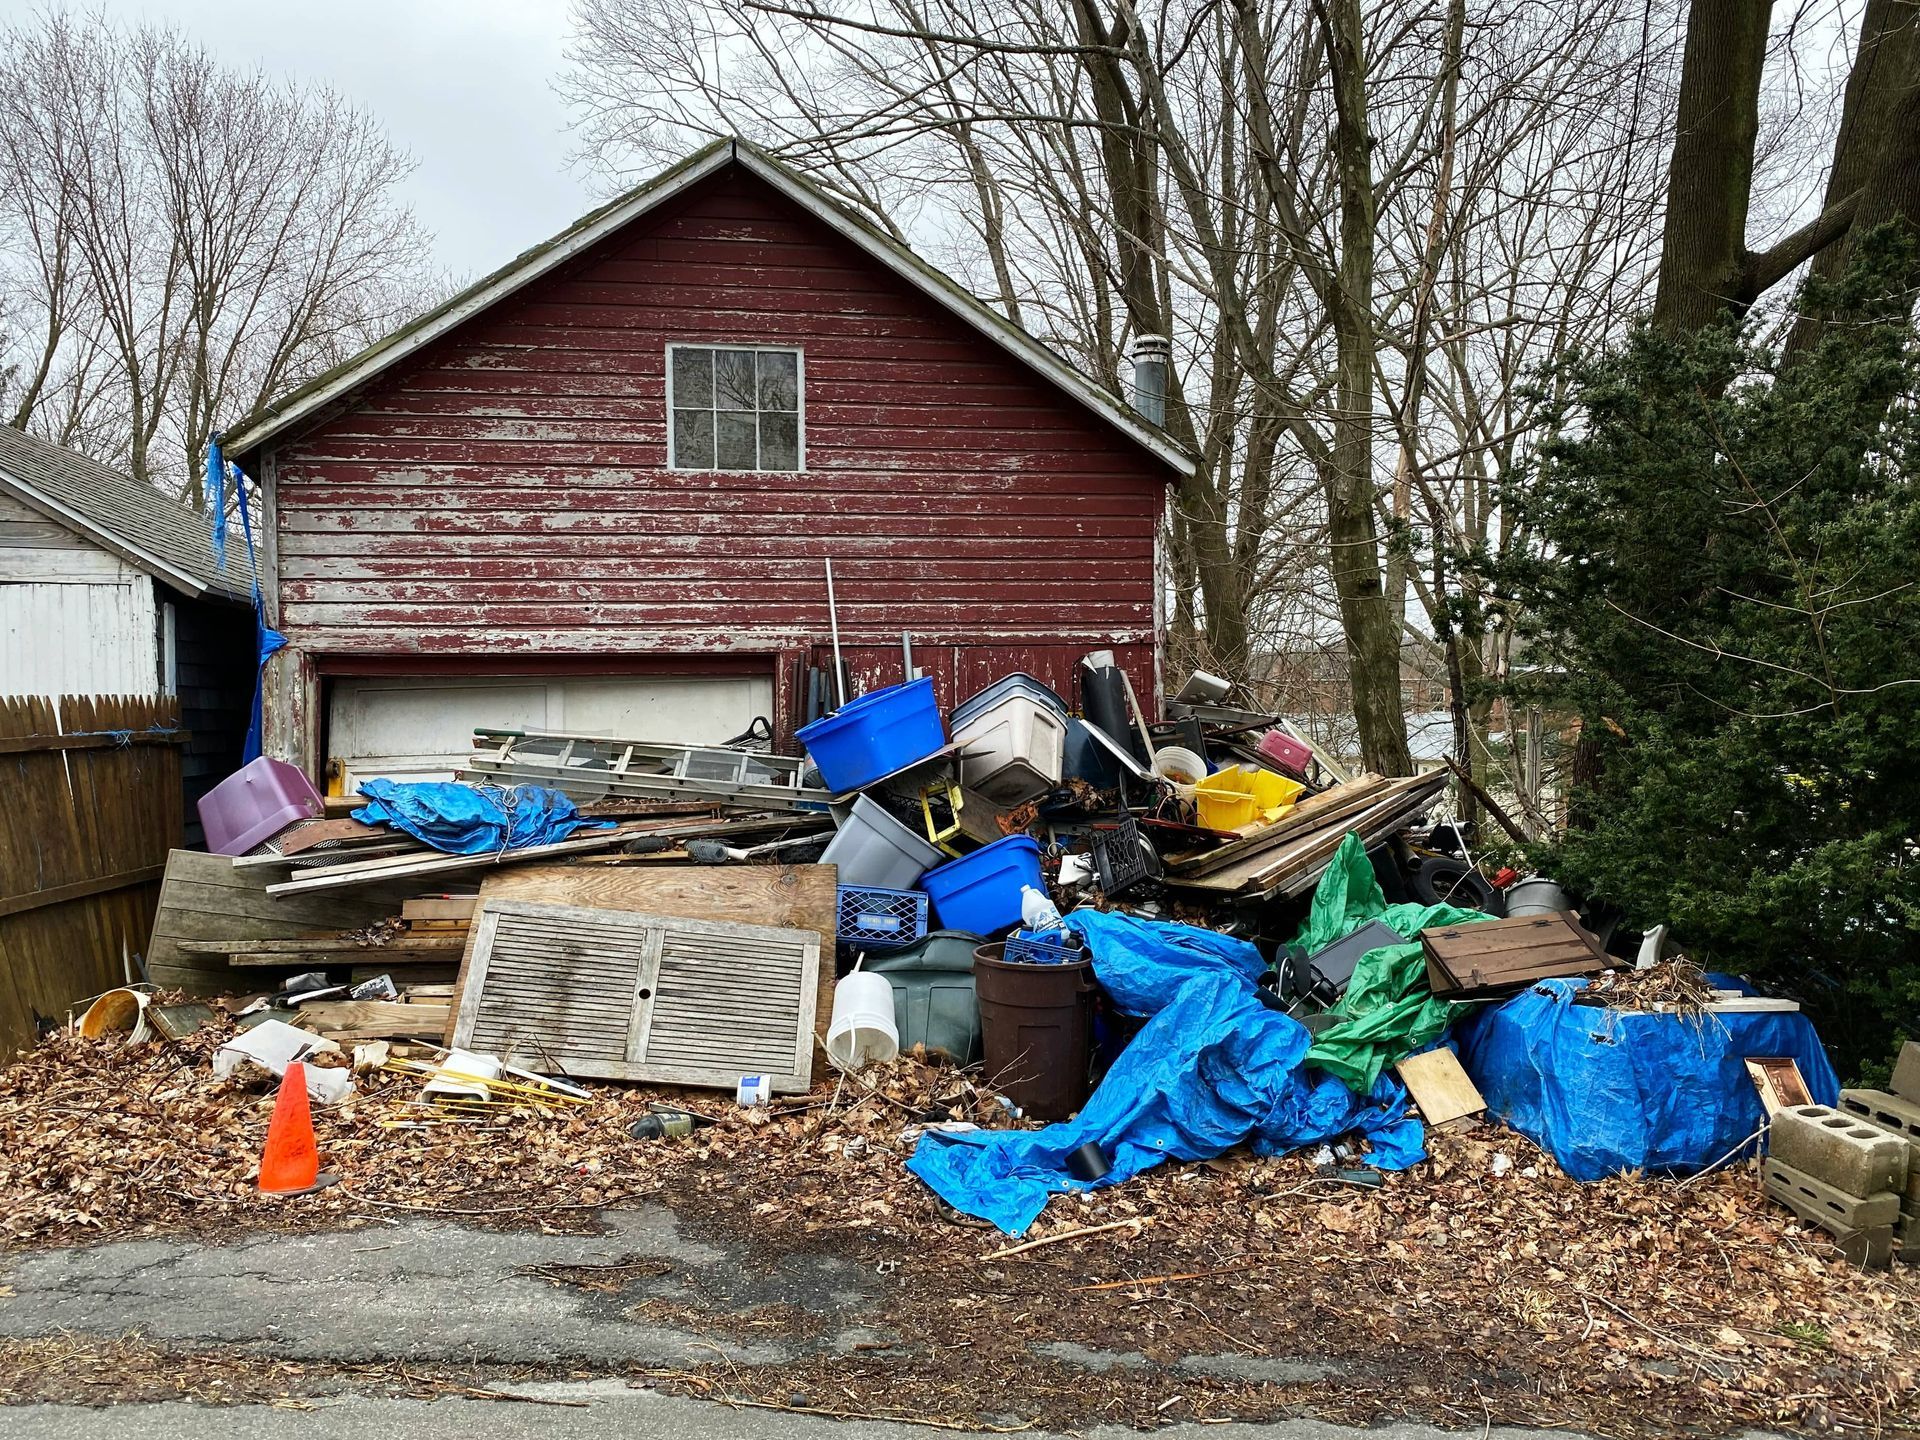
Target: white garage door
(416,728)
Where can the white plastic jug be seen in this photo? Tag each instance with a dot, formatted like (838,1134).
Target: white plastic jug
(863,1031)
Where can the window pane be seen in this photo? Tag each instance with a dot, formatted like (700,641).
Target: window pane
(779,380)
(734,447)
(733,379)
(693,377)
(779,442)
(693,439)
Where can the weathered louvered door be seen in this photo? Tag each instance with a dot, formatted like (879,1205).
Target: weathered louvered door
(622,996)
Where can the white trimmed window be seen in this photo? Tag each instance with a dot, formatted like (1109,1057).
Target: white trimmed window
(735,409)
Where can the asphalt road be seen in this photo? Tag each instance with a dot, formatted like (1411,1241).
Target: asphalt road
(611,1412)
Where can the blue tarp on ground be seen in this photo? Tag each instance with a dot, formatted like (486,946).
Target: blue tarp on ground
(1606,1091)
(1211,1068)
(473,819)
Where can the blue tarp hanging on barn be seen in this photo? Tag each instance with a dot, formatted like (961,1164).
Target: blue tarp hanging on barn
(1212,1067)
(1607,1091)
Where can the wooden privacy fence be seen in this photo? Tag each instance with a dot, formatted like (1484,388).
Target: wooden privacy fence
(89,804)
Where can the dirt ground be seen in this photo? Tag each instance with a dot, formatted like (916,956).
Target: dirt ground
(1471,1290)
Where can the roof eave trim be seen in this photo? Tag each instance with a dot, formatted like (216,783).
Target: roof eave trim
(134,555)
(505,284)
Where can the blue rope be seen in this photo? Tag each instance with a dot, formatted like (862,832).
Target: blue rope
(219,471)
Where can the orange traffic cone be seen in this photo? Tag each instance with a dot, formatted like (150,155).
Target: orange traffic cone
(290,1163)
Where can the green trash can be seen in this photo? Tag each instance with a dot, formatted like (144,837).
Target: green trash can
(933,999)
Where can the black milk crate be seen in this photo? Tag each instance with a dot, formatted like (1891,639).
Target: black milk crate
(1123,856)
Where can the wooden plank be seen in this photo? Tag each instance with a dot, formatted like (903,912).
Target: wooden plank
(336,877)
(380,961)
(205,899)
(119,740)
(79,889)
(305,834)
(436,946)
(440,907)
(786,897)
(1309,814)
(1440,1087)
(316,858)
(373,1019)
(1493,938)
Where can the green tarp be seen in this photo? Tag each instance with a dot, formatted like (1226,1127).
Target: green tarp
(1387,1012)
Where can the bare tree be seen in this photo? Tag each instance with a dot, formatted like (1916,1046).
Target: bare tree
(1707,269)
(1363,227)
(182,241)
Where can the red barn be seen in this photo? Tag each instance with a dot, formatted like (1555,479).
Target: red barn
(597,490)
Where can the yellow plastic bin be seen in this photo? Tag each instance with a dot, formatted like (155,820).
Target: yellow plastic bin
(1238,795)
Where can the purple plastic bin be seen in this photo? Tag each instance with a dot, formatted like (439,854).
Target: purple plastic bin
(255,803)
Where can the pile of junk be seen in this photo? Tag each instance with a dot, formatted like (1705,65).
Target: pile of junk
(1156,936)
(1168,938)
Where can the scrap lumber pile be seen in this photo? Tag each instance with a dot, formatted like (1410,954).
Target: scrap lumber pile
(1286,857)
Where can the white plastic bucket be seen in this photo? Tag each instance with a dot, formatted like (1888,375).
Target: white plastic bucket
(863,1031)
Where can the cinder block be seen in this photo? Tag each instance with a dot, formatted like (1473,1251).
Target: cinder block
(1889,1112)
(1868,1249)
(1813,1199)
(1847,1152)
(1906,1072)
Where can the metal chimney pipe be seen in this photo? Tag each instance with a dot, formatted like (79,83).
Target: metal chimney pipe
(1152,359)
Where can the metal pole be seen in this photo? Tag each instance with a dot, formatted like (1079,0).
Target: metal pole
(833,618)
(906,656)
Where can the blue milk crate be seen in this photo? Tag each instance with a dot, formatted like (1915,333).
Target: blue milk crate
(1025,949)
(881,919)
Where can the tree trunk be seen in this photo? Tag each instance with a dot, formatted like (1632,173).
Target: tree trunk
(1876,156)
(1703,253)
(1353,542)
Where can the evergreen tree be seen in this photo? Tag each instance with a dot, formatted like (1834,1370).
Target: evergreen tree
(1726,591)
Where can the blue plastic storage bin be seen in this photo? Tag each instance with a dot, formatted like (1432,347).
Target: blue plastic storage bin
(880,919)
(981,892)
(874,735)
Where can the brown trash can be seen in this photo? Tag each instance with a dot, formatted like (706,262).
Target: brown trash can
(1036,1031)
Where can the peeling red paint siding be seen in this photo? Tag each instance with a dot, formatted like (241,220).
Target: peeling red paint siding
(505,492)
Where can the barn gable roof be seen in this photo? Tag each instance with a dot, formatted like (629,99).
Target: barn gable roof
(283,414)
(128,517)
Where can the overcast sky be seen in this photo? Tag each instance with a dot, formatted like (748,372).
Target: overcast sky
(464,85)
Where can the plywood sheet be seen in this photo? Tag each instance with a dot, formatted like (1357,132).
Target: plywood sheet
(1441,1089)
(204,898)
